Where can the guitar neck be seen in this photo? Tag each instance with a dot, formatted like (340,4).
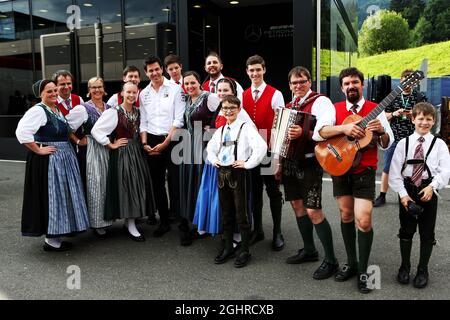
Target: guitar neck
(380,108)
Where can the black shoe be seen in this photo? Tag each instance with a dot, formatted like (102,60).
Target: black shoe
(140,238)
(100,235)
(362,283)
(326,270)
(379,201)
(242,259)
(64,247)
(256,236)
(403,275)
(345,273)
(161,230)
(278,242)
(421,278)
(152,221)
(302,257)
(224,256)
(185,238)
(197,236)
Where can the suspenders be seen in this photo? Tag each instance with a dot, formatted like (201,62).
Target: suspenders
(230,143)
(418,161)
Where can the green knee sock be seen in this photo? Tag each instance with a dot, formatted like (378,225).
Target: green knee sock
(365,240)
(349,235)
(425,254)
(306,231)
(325,235)
(405,251)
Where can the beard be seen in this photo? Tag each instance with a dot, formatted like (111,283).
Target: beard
(353,98)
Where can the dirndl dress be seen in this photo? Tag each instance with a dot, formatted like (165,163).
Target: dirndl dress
(53,202)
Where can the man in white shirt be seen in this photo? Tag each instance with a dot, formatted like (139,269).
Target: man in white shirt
(66,99)
(214,66)
(234,149)
(302,176)
(130,74)
(162,109)
(260,101)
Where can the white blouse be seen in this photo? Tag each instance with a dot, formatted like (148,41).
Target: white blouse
(105,125)
(30,123)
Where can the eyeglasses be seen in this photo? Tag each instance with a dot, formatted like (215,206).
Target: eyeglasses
(225,109)
(301,82)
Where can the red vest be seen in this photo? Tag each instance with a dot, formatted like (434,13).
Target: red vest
(369,156)
(261,111)
(75,102)
(307,107)
(205,84)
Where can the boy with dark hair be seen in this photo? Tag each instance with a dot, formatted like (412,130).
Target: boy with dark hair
(234,149)
(174,68)
(420,166)
(129,74)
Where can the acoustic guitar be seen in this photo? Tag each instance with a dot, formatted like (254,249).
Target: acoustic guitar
(336,155)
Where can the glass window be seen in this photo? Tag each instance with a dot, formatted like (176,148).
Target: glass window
(150,30)
(16,66)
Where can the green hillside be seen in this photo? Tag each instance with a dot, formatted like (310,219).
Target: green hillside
(394,62)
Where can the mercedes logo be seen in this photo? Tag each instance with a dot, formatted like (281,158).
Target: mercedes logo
(253,33)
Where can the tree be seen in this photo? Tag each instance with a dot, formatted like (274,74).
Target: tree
(411,10)
(384,31)
(434,26)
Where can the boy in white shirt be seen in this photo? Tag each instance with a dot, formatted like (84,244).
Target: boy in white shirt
(234,149)
(416,176)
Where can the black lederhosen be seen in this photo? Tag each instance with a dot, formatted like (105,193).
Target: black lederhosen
(427,219)
(303,181)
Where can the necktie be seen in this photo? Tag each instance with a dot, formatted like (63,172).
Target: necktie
(67,102)
(177,82)
(418,168)
(213,87)
(256,92)
(295,104)
(354,109)
(226,149)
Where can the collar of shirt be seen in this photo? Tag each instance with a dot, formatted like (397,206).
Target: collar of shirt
(62,100)
(360,104)
(260,88)
(415,136)
(300,102)
(236,125)
(173,81)
(166,83)
(217,80)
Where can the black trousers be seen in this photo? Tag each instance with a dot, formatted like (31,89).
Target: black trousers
(274,194)
(426,220)
(159,166)
(233,200)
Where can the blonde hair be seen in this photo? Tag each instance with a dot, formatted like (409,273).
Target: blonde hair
(91,81)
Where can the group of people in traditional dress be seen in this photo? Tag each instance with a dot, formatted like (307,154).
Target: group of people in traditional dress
(92,163)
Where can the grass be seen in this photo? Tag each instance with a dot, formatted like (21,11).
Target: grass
(394,62)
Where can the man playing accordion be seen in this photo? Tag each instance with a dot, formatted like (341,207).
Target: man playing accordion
(302,176)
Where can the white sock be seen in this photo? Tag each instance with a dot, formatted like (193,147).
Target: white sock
(201,232)
(54,242)
(100,231)
(236,239)
(132,227)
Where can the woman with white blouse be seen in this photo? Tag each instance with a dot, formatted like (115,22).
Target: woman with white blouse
(96,156)
(53,202)
(129,193)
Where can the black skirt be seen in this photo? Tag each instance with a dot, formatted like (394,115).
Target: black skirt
(35,196)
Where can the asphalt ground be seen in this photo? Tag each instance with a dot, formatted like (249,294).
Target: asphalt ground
(160,269)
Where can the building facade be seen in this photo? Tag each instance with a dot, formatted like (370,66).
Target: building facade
(38,37)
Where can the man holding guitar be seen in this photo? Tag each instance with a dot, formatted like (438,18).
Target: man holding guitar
(354,189)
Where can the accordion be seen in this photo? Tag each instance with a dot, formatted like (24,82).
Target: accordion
(280,142)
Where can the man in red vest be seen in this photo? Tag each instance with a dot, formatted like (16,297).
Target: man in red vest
(260,101)
(214,66)
(302,177)
(129,74)
(355,189)
(66,99)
